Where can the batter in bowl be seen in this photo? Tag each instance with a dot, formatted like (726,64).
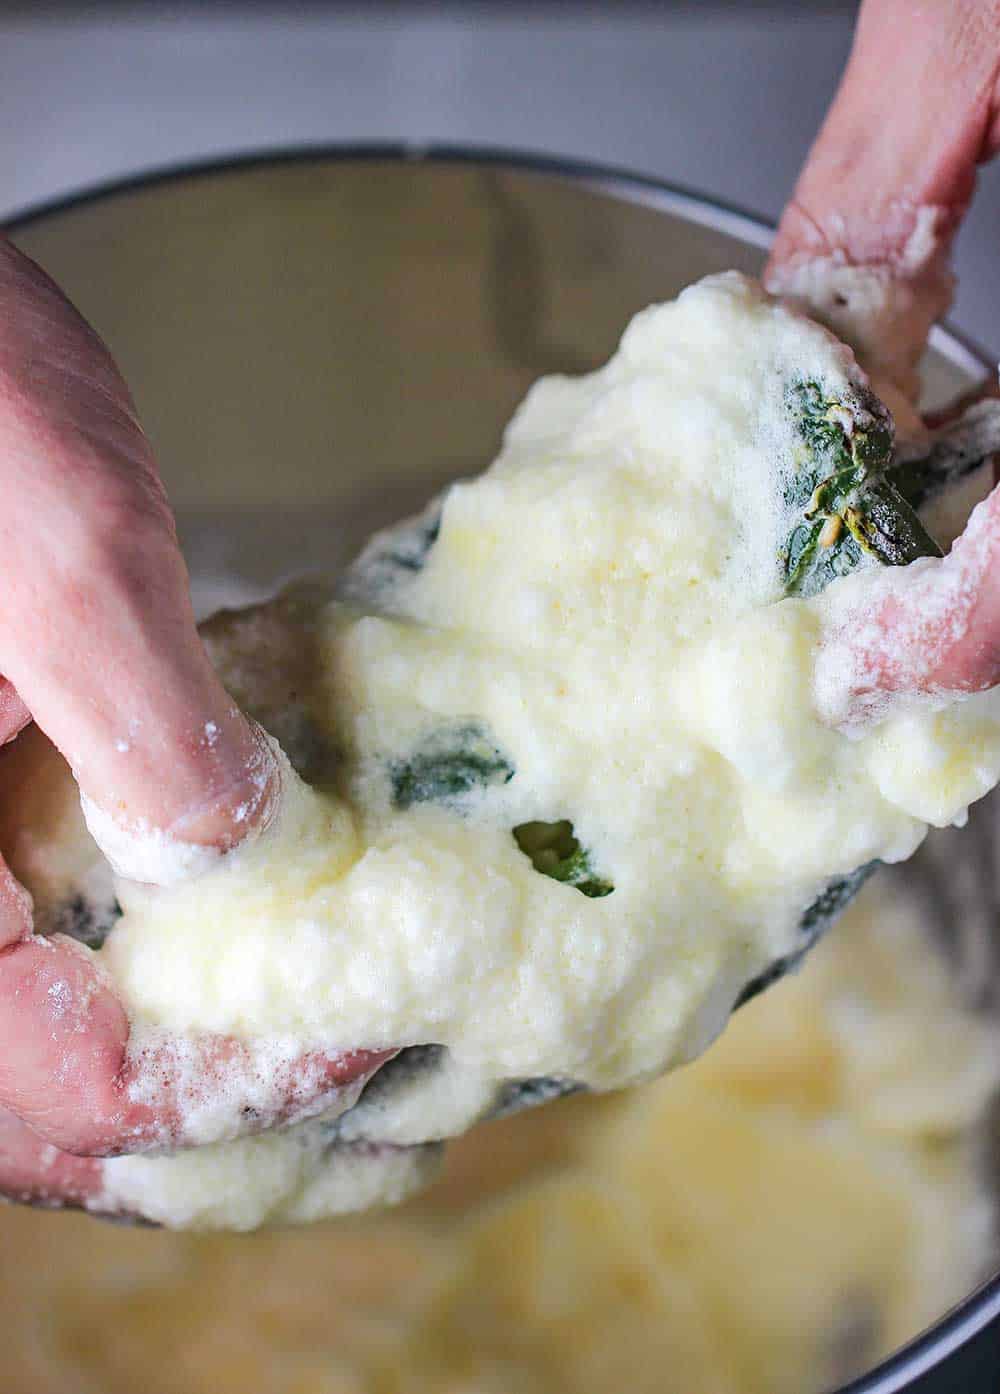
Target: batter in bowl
(769,1220)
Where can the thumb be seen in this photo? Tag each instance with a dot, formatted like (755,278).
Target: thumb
(14,715)
(15,909)
(865,240)
(97,634)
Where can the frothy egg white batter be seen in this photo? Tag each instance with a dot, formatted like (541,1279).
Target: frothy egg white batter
(592,637)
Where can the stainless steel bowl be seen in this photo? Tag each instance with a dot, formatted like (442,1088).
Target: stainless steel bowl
(319,340)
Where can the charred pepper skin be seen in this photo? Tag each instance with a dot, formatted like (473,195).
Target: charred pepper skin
(842,483)
(449,764)
(958,448)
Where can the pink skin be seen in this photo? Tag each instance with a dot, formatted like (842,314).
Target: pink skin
(36,1173)
(34,1170)
(97,639)
(918,109)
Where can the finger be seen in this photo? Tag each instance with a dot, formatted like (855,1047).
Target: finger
(70,1070)
(33,1172)
(892,173)
(97,634)
(184,1093)
(64,1035)
(14,715)
(15,908)
(929,629)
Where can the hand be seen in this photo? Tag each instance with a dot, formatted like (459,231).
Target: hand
(865,243)
(98,645)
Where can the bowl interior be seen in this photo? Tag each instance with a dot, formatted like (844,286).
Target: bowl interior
(317,345)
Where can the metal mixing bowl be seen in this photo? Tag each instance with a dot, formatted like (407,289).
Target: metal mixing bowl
(319,341)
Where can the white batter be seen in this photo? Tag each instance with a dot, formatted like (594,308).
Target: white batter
(600,622)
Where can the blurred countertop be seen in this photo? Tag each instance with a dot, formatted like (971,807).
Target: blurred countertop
(722,98)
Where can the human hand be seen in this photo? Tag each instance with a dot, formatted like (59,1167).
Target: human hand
(865,244)
(98,645)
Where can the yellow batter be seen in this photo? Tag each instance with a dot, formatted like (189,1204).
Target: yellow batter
(768,1220)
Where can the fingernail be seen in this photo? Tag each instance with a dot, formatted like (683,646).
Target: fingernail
(192,844)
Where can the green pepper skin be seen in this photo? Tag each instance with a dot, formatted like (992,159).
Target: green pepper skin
(957,449)
(813,924)
(848,506)
(555,851)
(448,765)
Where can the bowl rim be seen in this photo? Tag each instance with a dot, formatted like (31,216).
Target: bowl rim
(979,1308)
(631,186)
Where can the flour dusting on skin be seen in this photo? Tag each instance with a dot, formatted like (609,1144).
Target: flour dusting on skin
(212,1091)
(888,638)
(884,309)
(141,852)
(137,851)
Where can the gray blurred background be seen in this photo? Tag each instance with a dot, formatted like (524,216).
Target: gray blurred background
(723,98)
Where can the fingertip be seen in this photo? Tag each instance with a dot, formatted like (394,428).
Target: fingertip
(16,908)
(34,1172)
(193,1091)
(323,1079)
(232,793)
(918,633)
(14,715)
(245,788)
(65,1035)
